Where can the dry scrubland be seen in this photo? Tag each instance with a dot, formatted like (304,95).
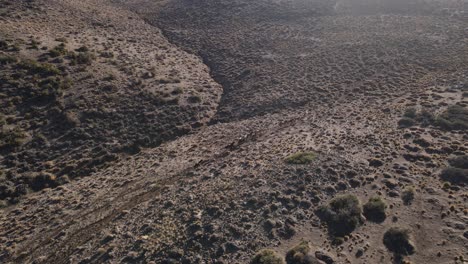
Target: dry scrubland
(262,132)
(83,82)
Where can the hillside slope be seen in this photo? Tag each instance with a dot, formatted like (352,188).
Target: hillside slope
(84,82)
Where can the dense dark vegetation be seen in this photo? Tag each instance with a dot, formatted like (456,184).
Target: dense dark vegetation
(398,241)
(342,214)
(455,117)
(408,195)
(40,109)
(301,254)
(457,172)
(267,256)
(374,209)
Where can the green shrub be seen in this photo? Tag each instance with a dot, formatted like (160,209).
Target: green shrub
(408,195)
(406,122)
(63,40)
(342,214)
(300,254)
(397,240)
(454,118)
(109,78)
(58,50)
(12,137)
(107,54)
(4,60)
(53,86)
(43,180)
(43,69)
(267,256)
(410,112)
(454,175)
(15,47)
(338,241)
(82,58)
(34,44)
(446,186)
(82,49)
(193,99)
(460,162)
(301,158)
(53,83)
(3,45)
(374,210)
(177,90)
(425,118)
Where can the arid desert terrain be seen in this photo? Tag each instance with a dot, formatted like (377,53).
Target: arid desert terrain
(234,131)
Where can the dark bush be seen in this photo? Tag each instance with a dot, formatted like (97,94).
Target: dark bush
(460,162)
(177,90)
(172,80)
(43,180)
(343,214)
(63,40)
(3,45)
(398,241)
(15,47)
(194,99)
(454,118)
(82,58)
(301,254)
(455,175)
(425,118)
(406,122)
(6,191)
(4,60)
(374,210)
(43,69)
(82,49)
(410,112)
(408,195)
(107,54)
(267,256)
(11,138)
(58,50)
(53,85)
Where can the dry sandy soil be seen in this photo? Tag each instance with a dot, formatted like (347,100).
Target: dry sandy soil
(166,139)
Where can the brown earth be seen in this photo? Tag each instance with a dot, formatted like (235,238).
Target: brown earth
(161,164)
